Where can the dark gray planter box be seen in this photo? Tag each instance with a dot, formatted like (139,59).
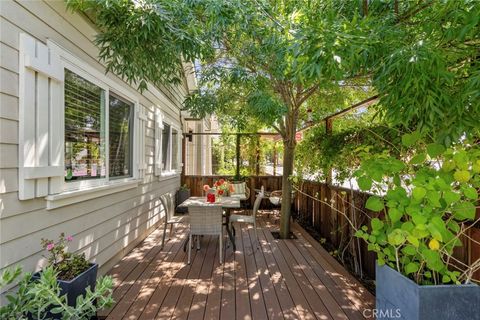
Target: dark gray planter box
(75,287)
(181,196)
(398,297)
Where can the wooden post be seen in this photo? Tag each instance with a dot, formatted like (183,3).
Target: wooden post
(365,7)
(257,157)
(237,155)
(328,131)
(184,148)
(274,158)
(328,191)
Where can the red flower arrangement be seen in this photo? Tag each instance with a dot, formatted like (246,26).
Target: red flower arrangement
(221,187)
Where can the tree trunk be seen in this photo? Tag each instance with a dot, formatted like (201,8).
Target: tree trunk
(288,158)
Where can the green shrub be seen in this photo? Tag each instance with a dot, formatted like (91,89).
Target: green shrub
(37,298)
(424,205)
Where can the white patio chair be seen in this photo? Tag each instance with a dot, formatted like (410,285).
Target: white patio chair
(170,217)
(252,219)
(206,220)
(276,197)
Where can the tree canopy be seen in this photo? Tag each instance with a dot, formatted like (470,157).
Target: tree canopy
(271,61)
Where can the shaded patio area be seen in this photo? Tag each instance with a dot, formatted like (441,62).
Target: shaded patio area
(276,279)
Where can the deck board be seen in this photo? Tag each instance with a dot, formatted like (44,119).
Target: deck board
(255,291)
(243,308)
(270,299)
(182,309)
(263,279)
(228,288)
(204,282)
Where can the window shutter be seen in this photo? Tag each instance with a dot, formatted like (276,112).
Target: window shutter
(158,141)
(142,131)
(41,120)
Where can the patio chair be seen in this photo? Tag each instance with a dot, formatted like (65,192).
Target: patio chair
(206,220)
(276,197)
(252,219)
(170,218)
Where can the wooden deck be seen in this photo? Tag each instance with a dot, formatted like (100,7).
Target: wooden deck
(291,279)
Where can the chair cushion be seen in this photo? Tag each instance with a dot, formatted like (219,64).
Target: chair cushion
(275,200)
(239,188)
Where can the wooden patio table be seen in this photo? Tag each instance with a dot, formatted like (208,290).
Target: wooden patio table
(225,202)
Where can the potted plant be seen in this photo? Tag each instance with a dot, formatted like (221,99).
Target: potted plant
(74,273)
(41,298)
(424,206)
(182,194)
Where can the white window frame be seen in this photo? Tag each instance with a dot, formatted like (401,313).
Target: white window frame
(76,191)
(169,171)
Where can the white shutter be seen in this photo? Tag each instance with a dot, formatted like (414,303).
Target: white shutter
(158,141)
(41,120)
(180,151)
(141,133)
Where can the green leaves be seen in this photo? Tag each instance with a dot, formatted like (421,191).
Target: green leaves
(418,158)
(433,260)
(451,197)
(411,268)
(377,224)
(409,139)
(142,44)
(435,149)
(462,176)
(414,241)
(364,183)
(470,192)
(425,206)
(395,214)
(396,237)
(464,210)
(375,203)
(419,193)
(36,298)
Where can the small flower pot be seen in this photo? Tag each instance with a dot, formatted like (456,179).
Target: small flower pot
(77,286)
(398,297)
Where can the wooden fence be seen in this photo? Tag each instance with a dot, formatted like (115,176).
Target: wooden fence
(330,222)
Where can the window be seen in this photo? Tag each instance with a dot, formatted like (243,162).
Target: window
(175,149)
(120,137)
(84,129)
(166,147)
(91,151)
(167,154)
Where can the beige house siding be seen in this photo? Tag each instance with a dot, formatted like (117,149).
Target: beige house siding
(198,152)
(104,228)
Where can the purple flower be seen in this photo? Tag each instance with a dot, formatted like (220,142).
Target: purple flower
(70,238)
(50,246)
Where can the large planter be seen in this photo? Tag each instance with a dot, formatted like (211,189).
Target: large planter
(78,285)
(181,196)
(398,297)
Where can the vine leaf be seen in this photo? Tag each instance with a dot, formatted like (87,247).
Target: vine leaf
(375,204)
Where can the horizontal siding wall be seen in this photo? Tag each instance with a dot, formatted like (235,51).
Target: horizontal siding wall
(104,228)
